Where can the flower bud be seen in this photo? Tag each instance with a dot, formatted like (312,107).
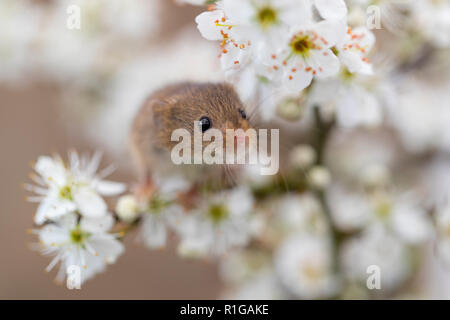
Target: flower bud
(375,176)
(290,109)
(319,177)
(302,156)
(127,208)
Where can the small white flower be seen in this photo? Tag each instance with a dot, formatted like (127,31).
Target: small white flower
(235,48)
(160,212)
(86,244)
(349,98)
(433,19)
(303,156)
(353,49)
(306,53)
(300,213)
(410,222)
(222,222)
(376,247)
(304,265)
(331,9)
(319,177)
(349,210)
(353,209)
(265,20)
(407,220)
(423,129)
(78,187)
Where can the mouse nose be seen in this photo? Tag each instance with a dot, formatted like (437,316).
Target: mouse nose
(245,125)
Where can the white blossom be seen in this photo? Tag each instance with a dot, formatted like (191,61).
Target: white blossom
(433,19)
(376,247)
(423,128)
(353,209)
(85,244)
(303,156)
(306,53)
(300,213)
(304,266)
(160,212)
(222,222)
(78,188)
(354,48)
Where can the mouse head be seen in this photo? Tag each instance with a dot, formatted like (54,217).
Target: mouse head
(213,105)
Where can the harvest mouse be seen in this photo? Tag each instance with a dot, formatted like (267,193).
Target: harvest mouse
(178,106)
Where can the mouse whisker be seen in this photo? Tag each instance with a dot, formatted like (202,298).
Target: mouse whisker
(232,178)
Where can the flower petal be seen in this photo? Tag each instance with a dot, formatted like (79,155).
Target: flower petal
(331,9)
(52,235)
(299,81)
(109,188)
(52,208)
(95,225)
(332,31)
(154,231)
(354,63)
(89,203)
(325,63)
(51,170)
(207,26)
(106,246)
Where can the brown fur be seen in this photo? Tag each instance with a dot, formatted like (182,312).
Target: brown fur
(178,106)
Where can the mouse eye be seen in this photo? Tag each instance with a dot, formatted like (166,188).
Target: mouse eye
(205,123)
(243,114)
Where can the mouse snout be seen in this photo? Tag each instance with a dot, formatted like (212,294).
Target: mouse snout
(239,140)
(245,125)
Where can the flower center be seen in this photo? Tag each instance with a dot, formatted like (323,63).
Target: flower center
(266,16)
(78,236)
(156,204)
(66,192)
(383,210)
(302,45)
(313,271)
(218,212)
(346,75)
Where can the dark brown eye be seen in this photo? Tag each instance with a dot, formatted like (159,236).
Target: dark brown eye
(243,114)
(205,123)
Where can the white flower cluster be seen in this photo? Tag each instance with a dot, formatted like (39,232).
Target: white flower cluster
(76,220)
(284,43)
(77,225)
(211,227)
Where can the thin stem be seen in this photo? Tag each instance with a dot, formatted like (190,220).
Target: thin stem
(323,132)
